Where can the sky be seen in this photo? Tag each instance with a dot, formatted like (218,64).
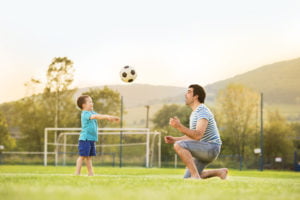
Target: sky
(168,42)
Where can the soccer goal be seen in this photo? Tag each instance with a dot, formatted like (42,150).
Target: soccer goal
(116,147)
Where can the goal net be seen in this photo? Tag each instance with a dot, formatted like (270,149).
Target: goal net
(116,147)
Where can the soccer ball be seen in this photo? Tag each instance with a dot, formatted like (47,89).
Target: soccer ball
(128,74)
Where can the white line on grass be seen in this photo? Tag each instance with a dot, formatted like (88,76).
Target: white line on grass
(99,175)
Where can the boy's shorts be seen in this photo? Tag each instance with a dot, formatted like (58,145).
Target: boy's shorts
(86,148)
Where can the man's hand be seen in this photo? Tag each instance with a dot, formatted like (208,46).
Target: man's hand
(175,122)
(169,140)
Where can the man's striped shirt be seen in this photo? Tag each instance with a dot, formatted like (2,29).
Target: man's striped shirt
(211,134)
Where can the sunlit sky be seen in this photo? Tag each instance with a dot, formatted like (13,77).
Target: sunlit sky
(168,42)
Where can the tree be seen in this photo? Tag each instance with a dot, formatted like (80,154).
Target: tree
(59,77)
(279,139)
(31,120)
(161,118)
(237,105)
(5,138)
(34,113)
(296,129)
(161,123)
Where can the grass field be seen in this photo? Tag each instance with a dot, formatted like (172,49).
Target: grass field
(43,183)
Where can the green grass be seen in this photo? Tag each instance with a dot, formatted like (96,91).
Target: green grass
(43,183)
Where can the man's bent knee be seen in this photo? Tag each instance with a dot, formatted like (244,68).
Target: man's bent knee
(177,147)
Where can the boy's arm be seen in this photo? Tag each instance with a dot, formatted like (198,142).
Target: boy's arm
(105,117)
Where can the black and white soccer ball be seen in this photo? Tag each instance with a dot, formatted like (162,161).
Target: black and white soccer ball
(128,74)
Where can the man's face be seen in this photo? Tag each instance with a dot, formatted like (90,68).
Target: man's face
(189,96)
(88,105)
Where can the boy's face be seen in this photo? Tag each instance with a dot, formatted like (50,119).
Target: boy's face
(88,105)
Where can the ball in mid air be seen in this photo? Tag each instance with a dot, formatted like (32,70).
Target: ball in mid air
(128,74)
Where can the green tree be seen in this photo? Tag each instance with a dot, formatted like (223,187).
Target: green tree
(237,106)
(60,75)
(35,113)
(32,119)
(296,129)
(278,139)
(5,139)
(161,117)
(161,124)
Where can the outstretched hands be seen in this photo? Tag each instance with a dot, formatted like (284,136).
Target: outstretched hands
(113,119)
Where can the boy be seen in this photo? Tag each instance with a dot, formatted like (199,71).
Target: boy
(89,133)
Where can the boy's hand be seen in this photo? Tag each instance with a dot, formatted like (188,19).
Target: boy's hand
(114,119)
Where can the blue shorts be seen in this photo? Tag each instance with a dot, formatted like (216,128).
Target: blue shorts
(86,148)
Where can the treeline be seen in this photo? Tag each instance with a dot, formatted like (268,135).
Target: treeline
(22,122)
(237,111)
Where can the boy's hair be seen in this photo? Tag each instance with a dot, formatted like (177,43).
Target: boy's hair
(199,90)
(81,100)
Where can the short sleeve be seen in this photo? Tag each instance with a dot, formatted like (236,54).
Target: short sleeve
(203,114)
(86,115)
(95,113)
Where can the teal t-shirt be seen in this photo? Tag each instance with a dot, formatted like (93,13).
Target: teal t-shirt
(89,127)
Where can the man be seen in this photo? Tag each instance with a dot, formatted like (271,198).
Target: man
(201,143)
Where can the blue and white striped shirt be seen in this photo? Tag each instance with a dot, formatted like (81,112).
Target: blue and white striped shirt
(211,134)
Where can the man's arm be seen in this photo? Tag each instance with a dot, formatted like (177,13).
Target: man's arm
(193,134)
(182,138)
(172,140)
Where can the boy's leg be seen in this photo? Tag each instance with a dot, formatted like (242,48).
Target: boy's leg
(92,152)
(89,166)
(79,164)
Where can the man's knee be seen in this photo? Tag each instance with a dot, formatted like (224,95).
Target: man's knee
(177,147)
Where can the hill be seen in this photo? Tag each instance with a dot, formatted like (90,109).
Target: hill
(136,95)
(278,81)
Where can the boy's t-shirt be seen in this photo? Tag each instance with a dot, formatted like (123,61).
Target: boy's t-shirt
(89,127)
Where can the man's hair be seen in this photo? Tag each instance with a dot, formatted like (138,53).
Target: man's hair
(199,91)
(81,100)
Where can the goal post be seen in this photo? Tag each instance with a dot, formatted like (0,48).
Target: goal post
(141,146)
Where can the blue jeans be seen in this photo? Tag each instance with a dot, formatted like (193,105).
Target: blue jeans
(203,153)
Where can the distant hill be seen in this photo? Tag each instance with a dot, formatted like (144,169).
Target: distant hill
(142,94)
(280,82)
